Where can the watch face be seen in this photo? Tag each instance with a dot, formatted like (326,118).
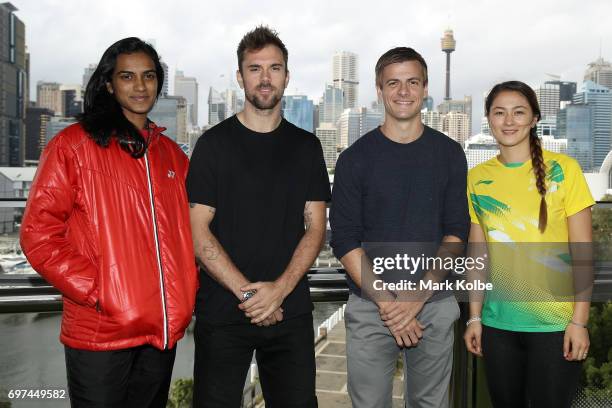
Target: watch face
(248,294)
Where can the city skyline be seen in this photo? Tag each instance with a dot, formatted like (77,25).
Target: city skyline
(203,43)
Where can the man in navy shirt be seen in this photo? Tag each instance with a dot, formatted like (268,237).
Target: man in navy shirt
(401,186)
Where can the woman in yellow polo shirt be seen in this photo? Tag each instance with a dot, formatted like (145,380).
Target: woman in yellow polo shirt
(527,204)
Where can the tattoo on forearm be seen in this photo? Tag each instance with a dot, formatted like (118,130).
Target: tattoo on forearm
(307,216)
(211,252)
(192,205)
(307,219)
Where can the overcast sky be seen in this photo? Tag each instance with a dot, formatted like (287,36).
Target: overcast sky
(496,40)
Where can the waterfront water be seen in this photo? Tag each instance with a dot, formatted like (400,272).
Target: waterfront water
(31,356)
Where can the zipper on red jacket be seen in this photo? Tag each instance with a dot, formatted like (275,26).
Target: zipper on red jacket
(157,251)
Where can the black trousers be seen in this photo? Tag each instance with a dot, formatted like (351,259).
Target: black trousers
(134,377)
(526,369)
(285,360)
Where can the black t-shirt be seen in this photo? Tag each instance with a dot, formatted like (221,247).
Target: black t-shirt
(259,184)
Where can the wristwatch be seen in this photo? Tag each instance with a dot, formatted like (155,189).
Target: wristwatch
(247,295)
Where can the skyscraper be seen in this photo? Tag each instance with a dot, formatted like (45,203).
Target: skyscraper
(448,44)
(71,105)
(72,100)
(428,103)
(36,132)
(457,126)
(349,127)
(574,125)
(187,87)
(480,148)
(13,83)
(458,106)
(599,98)
(356,122)
(345,76)
(87,73)
(331,105)
(328,135)
(433,119)
(567,89)
(370,119)
(554,144)
(164,91)
(315,116)
(600,72)
(55,125)
(171,113)
(49,96)
(298,109)
(216,107)
(485,129)
(547,126)
(234,101)
(548,99)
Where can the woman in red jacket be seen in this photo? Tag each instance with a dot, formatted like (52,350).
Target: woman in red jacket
(107,224)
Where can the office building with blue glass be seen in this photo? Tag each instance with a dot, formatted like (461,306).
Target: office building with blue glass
(299,110)
(599,99)
(574,123)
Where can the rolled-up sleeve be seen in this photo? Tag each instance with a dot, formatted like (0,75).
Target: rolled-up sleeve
(346,209)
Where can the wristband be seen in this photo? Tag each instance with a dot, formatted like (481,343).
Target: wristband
(584,326)
(472,320)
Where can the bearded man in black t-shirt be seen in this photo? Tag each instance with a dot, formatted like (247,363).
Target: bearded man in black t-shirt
(257,188)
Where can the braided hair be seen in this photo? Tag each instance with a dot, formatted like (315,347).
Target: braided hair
(535,145)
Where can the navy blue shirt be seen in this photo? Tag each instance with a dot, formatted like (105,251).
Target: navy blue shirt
(389,192)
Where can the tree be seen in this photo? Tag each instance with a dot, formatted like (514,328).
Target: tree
(181,393)
(597,369)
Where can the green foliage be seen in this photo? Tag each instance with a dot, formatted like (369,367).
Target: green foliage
(607,197)
(181,393)
(597,370)
(602,231)
(4,400)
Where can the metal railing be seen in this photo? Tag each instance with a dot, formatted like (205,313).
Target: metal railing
(31,293)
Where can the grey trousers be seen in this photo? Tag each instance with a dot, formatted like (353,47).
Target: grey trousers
(371,353)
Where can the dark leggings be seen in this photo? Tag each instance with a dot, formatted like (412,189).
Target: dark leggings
(526,369)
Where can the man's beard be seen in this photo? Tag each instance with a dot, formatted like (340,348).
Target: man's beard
(274,100)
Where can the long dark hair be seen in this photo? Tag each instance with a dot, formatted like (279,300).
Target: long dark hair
(537,160)
(102,116)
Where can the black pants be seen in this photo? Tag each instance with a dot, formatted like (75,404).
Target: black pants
(134,377)
(285,360)
(527,369)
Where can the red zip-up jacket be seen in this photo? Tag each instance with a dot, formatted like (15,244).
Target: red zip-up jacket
(112,234)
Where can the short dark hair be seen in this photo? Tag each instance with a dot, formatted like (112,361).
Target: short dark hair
(102,116)
(257,39)
(397,55)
